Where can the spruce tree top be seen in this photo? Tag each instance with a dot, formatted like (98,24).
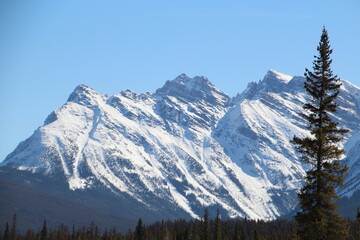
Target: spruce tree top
(323,88)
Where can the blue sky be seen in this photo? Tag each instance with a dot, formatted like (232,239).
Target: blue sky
(47,48)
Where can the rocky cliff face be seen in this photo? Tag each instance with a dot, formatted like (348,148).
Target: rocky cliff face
(187,146)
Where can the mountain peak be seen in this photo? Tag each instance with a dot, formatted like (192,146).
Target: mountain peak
(193,89)
(182,76)
(84,95)
(273,75)
(195,82)
(273,81)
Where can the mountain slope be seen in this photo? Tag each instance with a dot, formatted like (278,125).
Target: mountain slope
(256,133)
(33,207)
(187,146)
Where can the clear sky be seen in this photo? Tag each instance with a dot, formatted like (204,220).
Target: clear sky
(49,47)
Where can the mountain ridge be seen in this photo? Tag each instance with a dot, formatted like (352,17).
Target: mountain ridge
(187,146)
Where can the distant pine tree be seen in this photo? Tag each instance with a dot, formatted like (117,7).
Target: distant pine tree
(217,233)
(140,231)
(73,234)
(317,218)
(44,232)
(242,233)
(256,235)
(236,235)
(13,228)
(163,231)
(206,226)
(6,235)
(358,224)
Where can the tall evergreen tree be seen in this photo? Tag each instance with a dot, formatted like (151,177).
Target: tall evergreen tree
(317,218)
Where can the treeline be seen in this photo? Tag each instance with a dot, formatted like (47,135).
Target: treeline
(204,229)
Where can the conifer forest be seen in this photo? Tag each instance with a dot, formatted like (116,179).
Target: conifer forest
(202,229)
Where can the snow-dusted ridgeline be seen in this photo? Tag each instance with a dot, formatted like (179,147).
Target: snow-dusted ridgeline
(188,145)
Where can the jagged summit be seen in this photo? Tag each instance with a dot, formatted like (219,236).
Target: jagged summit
(78,92)
(273,81)
(85,95)
(182,77)
(272,75)
(193,89)
(186,80)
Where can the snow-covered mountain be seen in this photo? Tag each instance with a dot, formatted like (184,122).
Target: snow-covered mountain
(187,146)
